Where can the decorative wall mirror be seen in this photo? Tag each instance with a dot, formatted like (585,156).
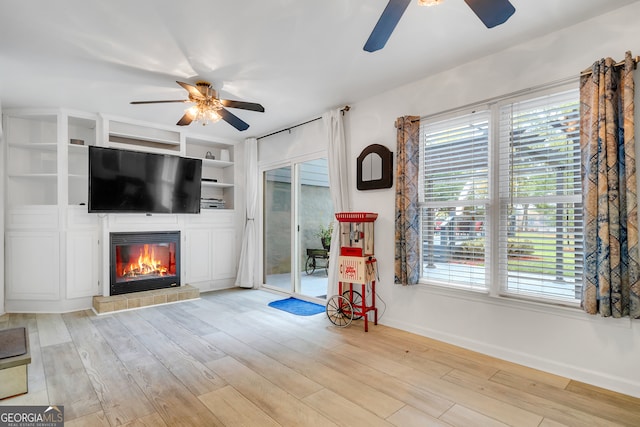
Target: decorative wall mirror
(375,168)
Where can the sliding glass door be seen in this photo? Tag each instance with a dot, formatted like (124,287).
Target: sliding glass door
(298,213)
(315,216)
(278,224)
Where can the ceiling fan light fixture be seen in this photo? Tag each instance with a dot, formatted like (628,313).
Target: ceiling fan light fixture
(208,108)
(204,112)
(429,2)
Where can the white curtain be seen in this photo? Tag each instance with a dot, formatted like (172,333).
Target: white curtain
(248,265)
(338,186)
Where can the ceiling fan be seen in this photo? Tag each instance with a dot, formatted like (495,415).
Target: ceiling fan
(490,12)
(208,107)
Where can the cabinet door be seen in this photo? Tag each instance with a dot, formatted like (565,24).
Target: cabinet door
(82,264)
(224,260)
(33,265)
(198,257)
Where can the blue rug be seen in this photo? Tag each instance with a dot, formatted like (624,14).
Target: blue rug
(297,307)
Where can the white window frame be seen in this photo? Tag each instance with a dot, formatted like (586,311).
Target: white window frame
(494,282)
(462,118)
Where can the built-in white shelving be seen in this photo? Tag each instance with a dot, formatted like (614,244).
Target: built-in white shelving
(218,165)
(46,217)
(47,175)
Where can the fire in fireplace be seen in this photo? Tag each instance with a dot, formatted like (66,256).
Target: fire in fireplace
(147,264)
(143,261)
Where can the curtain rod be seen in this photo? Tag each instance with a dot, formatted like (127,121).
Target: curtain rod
(345,108)
(617,64)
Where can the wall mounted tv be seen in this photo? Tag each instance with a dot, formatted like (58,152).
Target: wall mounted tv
(124,181)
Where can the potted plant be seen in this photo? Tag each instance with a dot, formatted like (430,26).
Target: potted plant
(325,235)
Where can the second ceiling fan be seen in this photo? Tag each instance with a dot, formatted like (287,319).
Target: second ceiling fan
(490,12)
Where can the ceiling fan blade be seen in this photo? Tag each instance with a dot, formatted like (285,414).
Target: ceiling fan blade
(185,120)
(193,91)
(492,12)
(252,106)
(159,102)
(233,120)
(386,24)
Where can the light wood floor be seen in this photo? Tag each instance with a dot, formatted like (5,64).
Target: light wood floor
(229,359)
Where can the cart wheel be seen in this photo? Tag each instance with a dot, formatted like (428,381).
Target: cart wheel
(310,265)
(339,311)
(356,301)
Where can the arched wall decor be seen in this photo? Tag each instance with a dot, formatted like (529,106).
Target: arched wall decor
(375,168)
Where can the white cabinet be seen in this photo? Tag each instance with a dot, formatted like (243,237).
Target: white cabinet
(210,258)
(82,264)
(82,253)
(33,265)
(198,255)
(224,253)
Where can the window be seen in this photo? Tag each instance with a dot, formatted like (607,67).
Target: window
(501,208)
(456,193)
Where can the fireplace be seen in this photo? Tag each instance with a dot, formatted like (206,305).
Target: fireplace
(142,261)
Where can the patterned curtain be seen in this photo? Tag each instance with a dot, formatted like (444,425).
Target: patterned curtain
(612,268)
(407,258)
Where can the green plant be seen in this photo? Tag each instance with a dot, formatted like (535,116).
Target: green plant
(325,234)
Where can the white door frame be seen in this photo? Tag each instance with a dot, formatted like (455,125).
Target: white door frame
(295,263)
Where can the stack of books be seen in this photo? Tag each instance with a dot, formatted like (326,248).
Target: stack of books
(211,203)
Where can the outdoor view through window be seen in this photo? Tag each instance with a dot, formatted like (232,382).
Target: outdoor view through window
(502,207)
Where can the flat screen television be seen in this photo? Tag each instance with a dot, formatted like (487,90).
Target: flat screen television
(124,181)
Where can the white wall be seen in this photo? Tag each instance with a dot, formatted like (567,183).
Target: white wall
(603,352)
(299,142)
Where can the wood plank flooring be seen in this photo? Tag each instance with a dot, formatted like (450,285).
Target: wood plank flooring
(228,359)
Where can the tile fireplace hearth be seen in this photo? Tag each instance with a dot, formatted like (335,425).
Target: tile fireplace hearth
(108,304)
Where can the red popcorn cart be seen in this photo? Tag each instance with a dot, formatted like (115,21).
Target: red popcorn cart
(357,271)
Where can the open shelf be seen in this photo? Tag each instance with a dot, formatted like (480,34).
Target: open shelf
(216,184)
(221,170)
(214,163)
(131,138)
(33,175)
(36,146)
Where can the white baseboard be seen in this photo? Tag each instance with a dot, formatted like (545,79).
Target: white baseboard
(599,379)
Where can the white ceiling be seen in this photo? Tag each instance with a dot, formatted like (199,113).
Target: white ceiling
(298,58)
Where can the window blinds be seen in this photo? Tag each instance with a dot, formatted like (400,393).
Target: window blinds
(540,236)
(455,156)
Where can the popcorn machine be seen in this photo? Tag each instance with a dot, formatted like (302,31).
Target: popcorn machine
(356,266)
